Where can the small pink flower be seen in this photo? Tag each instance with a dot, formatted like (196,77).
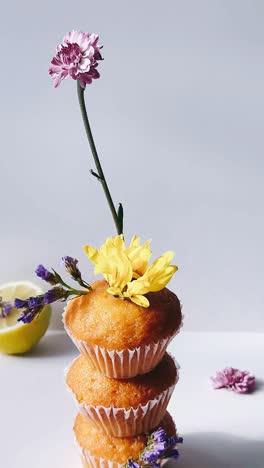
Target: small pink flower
(77,57)
(234,379)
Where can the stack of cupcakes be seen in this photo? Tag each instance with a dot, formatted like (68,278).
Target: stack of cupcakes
(123,379)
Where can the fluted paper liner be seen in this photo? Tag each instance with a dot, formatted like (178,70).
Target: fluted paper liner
(121,422)
(89,461)
(126,363)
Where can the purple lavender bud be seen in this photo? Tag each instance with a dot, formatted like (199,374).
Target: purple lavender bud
(132,464)
(71,267)
(26,317)
(172,441)
(5,308)
(54,295)
(35,301)
(21,303)
(46,275)
(151,456)
(159,435)
(29,314)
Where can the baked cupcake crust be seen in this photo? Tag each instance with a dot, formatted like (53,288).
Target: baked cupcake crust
(116,449)
(115,324)
(91,387)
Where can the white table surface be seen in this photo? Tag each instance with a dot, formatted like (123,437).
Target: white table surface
(220,429)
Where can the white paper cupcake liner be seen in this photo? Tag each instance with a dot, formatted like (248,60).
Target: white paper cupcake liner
(122,422)
(89,461)
(126,363)
(119,422)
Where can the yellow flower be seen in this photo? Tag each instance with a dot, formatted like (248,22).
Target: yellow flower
(112,262)
(127,270)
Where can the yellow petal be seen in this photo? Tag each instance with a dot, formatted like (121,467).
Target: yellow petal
(91,253)
(139,256)
(135,241)
(108,261)
(161,280)
(160,263)
(114,291)
(122,272)
(113,245)
(140,300)
(156,276)
(136,287)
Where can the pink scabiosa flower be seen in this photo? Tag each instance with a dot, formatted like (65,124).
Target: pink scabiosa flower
(234,379)
(76,57)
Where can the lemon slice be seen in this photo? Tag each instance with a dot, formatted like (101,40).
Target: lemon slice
(18,337)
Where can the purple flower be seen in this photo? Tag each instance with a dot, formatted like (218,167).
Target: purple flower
(5,308)
(32,308)
(29,314)
(70,265)
(234,379)
(54,295)
(76,57)
(21,303)
(172,441)
(159,435)
(46,275)
(34,305)
(35,302)
(132,464)
(159,447)
(151,456)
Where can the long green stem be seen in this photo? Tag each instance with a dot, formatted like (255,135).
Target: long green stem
(100,174)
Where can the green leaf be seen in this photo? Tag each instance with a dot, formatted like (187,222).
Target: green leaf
(120,215)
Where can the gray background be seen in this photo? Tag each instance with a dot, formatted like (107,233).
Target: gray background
(178,120)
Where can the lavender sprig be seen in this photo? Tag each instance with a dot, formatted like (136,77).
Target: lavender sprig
(5,308)
(70,265)
(159,447)
(33,306)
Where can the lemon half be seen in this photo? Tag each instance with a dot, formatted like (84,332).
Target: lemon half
(18,337)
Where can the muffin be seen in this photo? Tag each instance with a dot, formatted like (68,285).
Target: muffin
(101,450)
(122,408)
(121,338)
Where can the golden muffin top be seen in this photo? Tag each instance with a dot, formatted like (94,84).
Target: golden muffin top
(90,386)
(115,324)
(117,449)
